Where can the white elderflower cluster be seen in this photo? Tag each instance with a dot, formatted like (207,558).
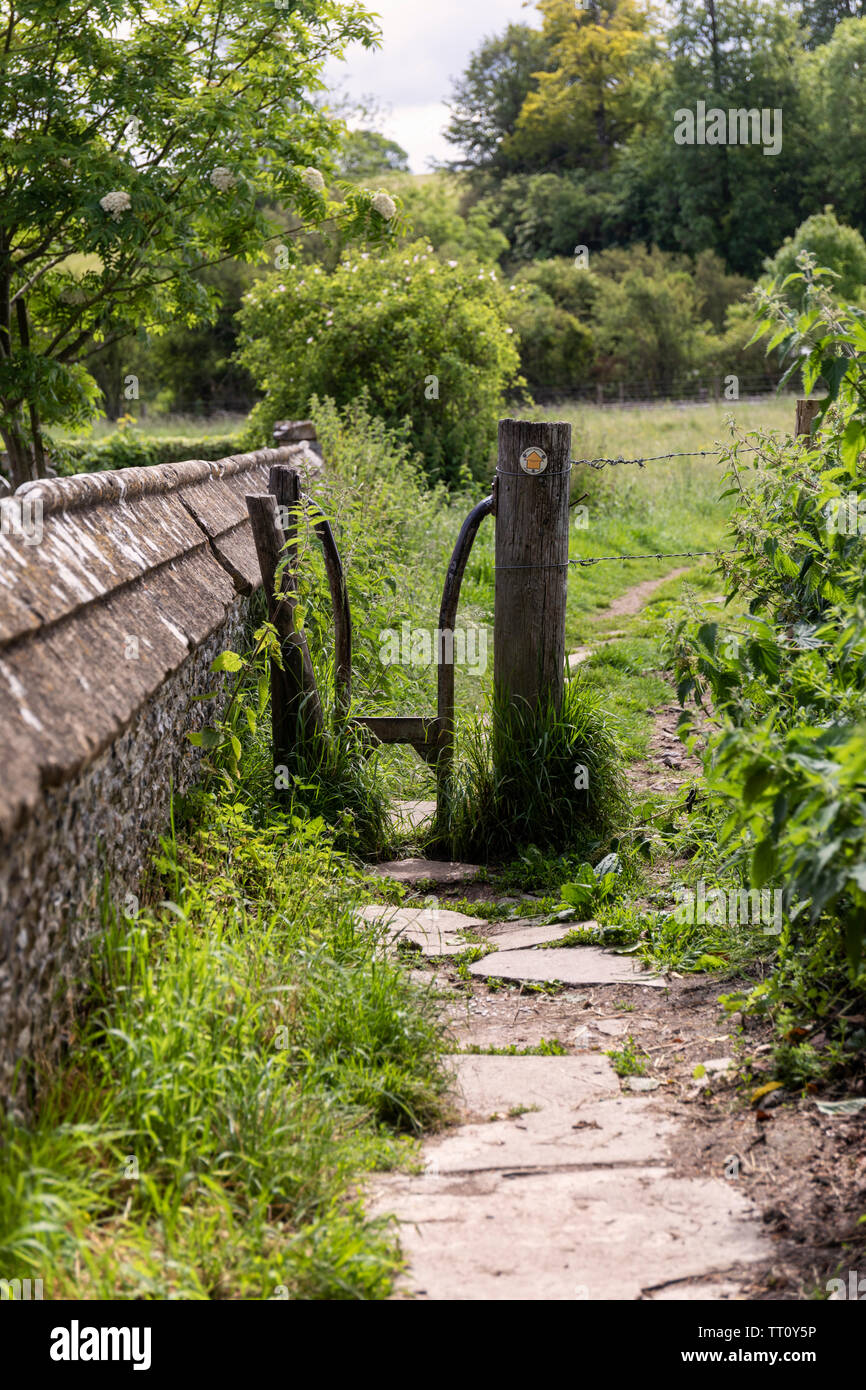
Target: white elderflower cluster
(385,206)
(116,204)
(222,179)
(314,180)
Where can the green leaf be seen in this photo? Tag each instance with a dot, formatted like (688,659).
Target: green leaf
(853,443)
(707,962)
(228,661)
(758,780)
(763,862)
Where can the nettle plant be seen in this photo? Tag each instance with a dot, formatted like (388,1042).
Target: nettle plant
(139,145)
(242,704)
(787,675)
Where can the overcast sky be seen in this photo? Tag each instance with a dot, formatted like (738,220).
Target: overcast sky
(425,43)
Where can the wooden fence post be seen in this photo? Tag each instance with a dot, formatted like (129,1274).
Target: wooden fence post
(285,483)
(806,412)
(295,705)
(532,492)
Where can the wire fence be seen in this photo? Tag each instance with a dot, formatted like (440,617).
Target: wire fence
(657,458)
(599,463)
(641,392)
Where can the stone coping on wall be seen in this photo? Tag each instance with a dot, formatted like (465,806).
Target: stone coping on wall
(117,577)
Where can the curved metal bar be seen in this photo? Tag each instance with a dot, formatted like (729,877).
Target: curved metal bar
(342,617)
(447,615)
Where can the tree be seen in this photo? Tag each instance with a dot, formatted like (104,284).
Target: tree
(822,16)
(366,153)
(836,90)
(583,109)
(730,197)
(545,215)
(488,99)
(139,145)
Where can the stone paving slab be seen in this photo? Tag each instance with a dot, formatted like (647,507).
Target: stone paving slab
(572,965)
(520,935)
(414,813)
(701,1291)
(574,1114)
(596,1234)
(418,870)
(435,931)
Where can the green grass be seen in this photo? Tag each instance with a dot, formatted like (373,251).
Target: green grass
(162,427)
(548,1047)
(247,1054)
(669,505)
(515,780)
(626,1060)
(615,674)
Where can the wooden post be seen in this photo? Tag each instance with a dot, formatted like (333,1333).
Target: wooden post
(532,491)
(285,483)
(806,412)
(295,705)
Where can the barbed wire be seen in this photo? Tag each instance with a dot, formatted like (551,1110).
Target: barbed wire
(656,555)
(597,560)
(656,458)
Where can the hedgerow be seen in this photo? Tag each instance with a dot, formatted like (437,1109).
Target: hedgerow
(786,674)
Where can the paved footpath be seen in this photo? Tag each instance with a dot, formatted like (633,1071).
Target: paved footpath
(558,1181)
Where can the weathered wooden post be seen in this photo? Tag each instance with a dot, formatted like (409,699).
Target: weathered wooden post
(532,492)
(806,412)
(295,704)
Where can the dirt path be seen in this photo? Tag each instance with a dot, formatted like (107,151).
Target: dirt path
(634,599)
(562,1179)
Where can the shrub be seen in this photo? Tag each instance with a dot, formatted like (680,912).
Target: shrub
(433,211)
(127,450)
(787,678)
(835,246)
(646,320)
(427,340)
(556,349)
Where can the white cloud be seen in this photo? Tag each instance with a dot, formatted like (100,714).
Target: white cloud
(425,44)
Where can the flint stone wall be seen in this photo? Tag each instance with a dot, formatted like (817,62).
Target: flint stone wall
(108,627)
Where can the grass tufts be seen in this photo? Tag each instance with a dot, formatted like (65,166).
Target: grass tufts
(515,780)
